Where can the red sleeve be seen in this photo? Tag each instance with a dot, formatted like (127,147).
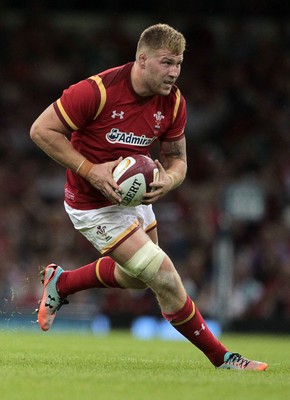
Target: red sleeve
(176,130)
(78,104)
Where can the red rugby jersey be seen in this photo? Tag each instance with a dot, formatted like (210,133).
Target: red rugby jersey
(108,120)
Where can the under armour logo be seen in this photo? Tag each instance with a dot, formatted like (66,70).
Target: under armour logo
(51,299)
(115,114)
(197,333)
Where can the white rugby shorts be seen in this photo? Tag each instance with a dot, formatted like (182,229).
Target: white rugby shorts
(107,227)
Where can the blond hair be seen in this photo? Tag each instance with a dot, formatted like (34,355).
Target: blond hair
(162,36)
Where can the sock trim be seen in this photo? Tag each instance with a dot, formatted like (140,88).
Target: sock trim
(227,355)
(98,273)
(191,315)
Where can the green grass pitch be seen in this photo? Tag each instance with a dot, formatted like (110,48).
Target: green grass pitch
(70,366)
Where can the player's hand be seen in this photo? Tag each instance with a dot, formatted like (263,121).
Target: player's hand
(159,188)
(101,177)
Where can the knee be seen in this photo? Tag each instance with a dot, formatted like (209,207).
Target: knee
(145,263)
(127,281)
(167,278)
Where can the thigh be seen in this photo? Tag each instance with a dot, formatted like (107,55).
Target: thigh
(146,217)
(148,221)
(109,227)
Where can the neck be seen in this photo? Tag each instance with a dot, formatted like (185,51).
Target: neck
(136,80)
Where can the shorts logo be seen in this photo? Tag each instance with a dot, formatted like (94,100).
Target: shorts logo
(116,136)
(101,230)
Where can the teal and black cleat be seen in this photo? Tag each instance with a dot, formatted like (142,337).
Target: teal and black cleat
(236,361)
(51,301)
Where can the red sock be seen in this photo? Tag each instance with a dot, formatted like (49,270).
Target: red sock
(189,322)
(98,274)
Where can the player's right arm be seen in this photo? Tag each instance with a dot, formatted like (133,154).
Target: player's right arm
(50,135)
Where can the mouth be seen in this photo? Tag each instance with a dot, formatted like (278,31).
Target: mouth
(168,84)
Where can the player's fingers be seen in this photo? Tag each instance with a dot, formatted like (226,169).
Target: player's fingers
(114,185)
(154,193)
(160,168)
(111,194)
(113,164)
(147,199)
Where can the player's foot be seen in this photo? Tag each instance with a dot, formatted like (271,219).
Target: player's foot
(236,361)
(51,301)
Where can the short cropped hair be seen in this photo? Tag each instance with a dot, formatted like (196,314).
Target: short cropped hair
(162,36)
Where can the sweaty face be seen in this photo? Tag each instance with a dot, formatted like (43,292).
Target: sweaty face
(161,70)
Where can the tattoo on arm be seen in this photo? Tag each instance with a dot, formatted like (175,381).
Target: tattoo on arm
(171,150)
(175,150)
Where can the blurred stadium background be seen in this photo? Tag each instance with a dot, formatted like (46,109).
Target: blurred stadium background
(228,227)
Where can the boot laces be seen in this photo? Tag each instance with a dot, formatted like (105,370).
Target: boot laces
(237,359)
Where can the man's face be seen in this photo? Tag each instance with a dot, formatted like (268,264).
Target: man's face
(160,71)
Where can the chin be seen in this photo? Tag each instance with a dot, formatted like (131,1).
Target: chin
(164,92)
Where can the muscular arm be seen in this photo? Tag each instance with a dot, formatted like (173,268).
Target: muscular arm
(174,161)
(50,135)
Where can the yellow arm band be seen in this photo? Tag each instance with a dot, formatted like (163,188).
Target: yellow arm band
(84,168)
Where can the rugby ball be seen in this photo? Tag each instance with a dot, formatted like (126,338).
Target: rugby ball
(133,175)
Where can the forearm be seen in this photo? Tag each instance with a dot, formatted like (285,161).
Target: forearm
(57,146)
(174,161)
(177,172)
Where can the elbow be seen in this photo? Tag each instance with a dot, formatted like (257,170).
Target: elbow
(183,170)
(35,133)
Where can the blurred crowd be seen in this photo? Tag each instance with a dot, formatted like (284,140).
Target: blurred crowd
(236,80)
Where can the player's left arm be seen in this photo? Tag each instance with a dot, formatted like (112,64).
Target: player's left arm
(172,165)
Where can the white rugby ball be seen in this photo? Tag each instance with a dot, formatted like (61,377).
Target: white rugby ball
(133,175)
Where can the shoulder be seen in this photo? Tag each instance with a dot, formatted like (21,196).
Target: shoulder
(112,76)
(177,95)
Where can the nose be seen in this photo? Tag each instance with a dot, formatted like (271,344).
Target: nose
(174,71)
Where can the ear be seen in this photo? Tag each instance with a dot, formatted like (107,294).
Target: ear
(142,60)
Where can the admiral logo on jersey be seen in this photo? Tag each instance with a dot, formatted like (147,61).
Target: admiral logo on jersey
(116,136)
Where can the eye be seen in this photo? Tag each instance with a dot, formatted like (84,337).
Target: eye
(172,63)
